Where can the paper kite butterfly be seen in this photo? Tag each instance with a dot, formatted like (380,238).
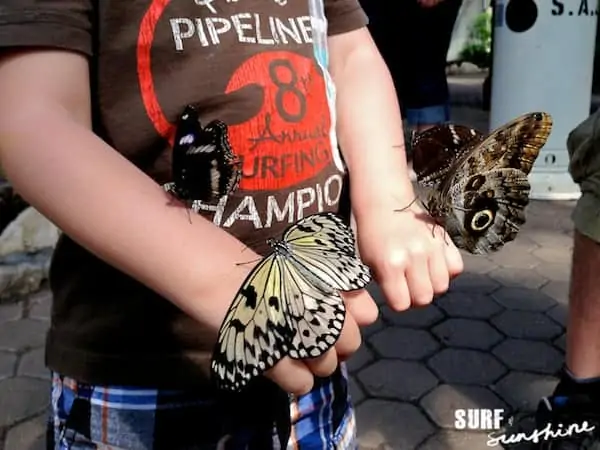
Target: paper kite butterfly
(289,305)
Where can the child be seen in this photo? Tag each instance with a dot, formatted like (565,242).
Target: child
(90,93)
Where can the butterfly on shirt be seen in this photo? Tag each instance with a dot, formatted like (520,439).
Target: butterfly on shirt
(477,185)
(204,167)
(290,303)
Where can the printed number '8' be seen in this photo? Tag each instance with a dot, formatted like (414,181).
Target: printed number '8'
(284,76)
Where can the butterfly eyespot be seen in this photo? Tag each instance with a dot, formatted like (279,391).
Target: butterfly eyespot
(482,219)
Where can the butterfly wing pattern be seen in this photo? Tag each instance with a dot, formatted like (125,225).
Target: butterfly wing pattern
(203,165)
(480,193)
(437,149)
(290,304)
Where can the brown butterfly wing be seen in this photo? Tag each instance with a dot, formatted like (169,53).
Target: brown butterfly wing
(487,209)
(491,181)
(437,150)
(515,145)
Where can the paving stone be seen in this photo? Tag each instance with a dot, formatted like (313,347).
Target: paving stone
(518,278)
(399,380)
(468,305)
(467,333)
(524,243)
(547,209)
(523,299)
(457,440)
(523,391)
(554,272)
(8,361)
(385,424)
(551,239)
(30,435)
(376,326)
(11,311)
(22,334)
(21,398)
(40,305)
(32,365)
(466,367)
(356,392)
(473,282)
(512,256)
(361,358)
(561,342)
(542,227)
(477,263)
(526,325)
(558,290)
(566,226)
(441,403)
(376,292)
(559,314)
(414,317)
(533,356)
(403,343)
(556,255)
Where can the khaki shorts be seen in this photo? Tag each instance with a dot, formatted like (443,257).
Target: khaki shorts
(583,144)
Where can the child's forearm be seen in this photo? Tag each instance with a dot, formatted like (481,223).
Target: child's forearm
(369,123)
(117,212)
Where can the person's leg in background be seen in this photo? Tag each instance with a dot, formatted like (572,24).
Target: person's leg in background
(426,95)
(577,395)
(391,29)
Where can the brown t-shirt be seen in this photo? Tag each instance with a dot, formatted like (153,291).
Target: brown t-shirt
(260,71)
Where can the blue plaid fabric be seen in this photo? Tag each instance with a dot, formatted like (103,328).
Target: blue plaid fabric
(130,418)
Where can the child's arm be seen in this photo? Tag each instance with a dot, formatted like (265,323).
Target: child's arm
(99,198)
(411,259)
(110,207)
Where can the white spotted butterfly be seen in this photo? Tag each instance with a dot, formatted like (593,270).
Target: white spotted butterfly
(289,305)
(204,167)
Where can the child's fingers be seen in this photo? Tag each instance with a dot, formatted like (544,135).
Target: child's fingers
(349,340)
(324,365)
(361,306)
(292,376)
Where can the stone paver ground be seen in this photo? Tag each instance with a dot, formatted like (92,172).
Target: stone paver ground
(496,340)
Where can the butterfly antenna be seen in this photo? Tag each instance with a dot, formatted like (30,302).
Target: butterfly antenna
(407,206)
(248,262)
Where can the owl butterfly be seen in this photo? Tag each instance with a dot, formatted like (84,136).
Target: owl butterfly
(289,305)
(203,166)
(477,185)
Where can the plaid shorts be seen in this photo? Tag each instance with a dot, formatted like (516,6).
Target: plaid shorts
(130,418)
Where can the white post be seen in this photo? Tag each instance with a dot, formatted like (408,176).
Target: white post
(543,61)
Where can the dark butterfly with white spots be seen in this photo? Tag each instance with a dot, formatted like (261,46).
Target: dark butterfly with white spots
(204,167)
(477,185)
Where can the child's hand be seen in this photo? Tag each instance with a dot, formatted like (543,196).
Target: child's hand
(410,256)
(297,376)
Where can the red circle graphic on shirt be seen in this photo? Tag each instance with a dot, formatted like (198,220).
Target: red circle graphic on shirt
(288,141)
(144,69)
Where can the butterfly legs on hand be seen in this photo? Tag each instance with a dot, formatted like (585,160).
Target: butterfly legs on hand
(435,221)
(173,197)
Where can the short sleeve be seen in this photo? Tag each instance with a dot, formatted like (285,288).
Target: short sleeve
(344,16)
(63,24)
